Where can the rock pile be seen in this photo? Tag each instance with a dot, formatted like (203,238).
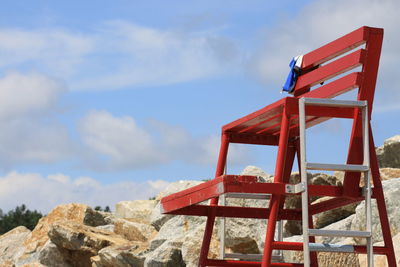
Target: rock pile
(137,234)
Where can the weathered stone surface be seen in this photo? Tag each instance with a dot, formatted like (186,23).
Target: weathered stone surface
(134,231)
(157,219)
(167,255)
(79,242)
(191,246)
(51,255)
(392,198)
(38,237)
(140,210)
(388,154)
(328,217)
(97,218)
(380,260)
(121,256)
(389,173)
(175,230)
(386,174)
(11,244)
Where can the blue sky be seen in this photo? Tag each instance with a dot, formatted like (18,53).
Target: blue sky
(105,102)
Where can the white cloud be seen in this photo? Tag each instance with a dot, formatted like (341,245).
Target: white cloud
(144,56)
(44,193)
(117,54)
(120,143)
(322,21)
(54,50)
(27,94)
(28,131)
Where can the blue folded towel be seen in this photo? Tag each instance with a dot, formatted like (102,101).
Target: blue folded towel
(295,66)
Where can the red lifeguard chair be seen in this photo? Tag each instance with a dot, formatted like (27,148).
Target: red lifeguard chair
(329,70)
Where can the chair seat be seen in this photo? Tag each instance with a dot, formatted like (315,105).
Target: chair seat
(263,126)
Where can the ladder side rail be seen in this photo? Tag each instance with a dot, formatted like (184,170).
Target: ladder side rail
(367,186)
(303,171)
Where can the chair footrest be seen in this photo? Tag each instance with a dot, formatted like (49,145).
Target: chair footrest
(319,232)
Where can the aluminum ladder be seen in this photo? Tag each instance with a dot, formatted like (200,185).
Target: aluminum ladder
(364,168)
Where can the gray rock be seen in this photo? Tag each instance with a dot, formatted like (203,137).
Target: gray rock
(51,255)
(11,244)
(389,153)
(107,227)
(157,219)
(97,218)
(121,256)
(175,230)
(391,190)
(167,255)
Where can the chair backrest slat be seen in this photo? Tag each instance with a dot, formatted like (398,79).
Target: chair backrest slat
(336,48)
(331,70)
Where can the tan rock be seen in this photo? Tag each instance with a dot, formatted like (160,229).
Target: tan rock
(134,231)
(11,244)
(140,210)
(79,242)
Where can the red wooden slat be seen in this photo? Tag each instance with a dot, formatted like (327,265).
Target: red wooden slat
(331,70)
(337,47)
(246,138)
(255,117)
(236,212)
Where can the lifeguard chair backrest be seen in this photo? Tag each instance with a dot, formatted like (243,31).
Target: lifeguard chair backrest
(327,62)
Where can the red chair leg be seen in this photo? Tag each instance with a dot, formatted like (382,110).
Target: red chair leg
(276,199)
(205,247)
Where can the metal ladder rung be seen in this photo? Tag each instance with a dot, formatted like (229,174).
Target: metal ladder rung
(334,103)
(255,257)
(337,167)
(331,248)
(319,232)
(248,195)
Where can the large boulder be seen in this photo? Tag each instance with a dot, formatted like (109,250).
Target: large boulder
(79,242)
(391,190)
(11,244)
(389,153)
(134,231)
(121,256)
(157,219)
(139,210)
(167,255)
(37,241)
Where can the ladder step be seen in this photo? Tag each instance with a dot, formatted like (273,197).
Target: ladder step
(334,102)
(331,248)
(254,257)
(319,232)
(248,195)
(337,167)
